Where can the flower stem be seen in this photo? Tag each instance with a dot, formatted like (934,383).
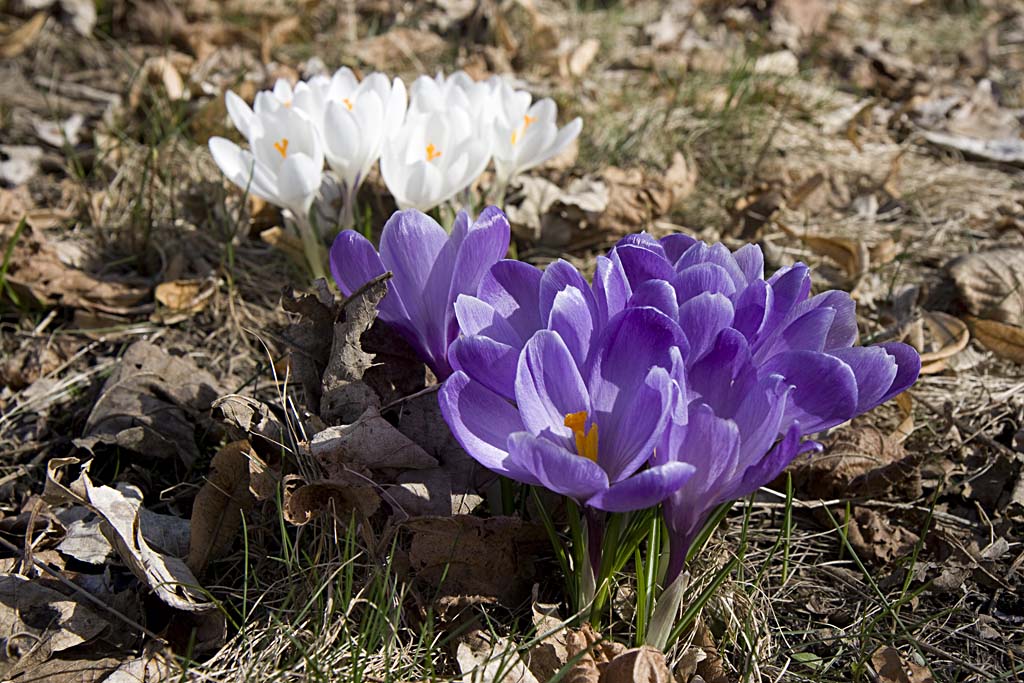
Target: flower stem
(311,246)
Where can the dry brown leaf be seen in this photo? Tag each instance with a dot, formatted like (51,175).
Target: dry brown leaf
(582,57)
(286,242)
(1006,341)
(247,418)
(399,49)
(219,506)
(19,40)
(639,665)
(891,668)
(874,536)
(428,493)
(949,334)
(484,659)
(182,299)
(168,577)
(151,404)
(990,284)
(38,622)
(859,460)
(372,442)
(470,556)
(906,408)
(341,496)
(164,71)
(277,35)
(35,271)
(851,255)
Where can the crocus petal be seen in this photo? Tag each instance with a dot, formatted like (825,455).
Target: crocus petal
(874,369)
(703,278)
(675,245)
(611,289)
(825,388)
(641,264)
(752,307)
(555,467)
(775,462)
(573,321)
(630,387)
(750,259)
(485,243)
(701,319)
(513,289)
(298,180)
(548,385)
(908,367)
(487,361)
(644,489)
(354,262)
(557,277)
(656,294)
(409,247)
(240,113)
(480,420)
(239,166)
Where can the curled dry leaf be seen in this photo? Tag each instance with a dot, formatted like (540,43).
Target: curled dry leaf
(399,49)
(151,405)
(874,536)
(1006,341)
(248,418)
(949,334)
(168,577)
(164,71)
(990,284)
(341,496)
(220,504)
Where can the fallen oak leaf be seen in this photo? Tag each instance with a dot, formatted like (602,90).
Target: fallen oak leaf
(990,284)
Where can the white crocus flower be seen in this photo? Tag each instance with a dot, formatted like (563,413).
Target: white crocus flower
(457,90)
(358,119)
(525,134)
(304,98)
(434,157)
(283,166)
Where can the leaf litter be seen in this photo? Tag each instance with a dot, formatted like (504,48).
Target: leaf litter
(868,186)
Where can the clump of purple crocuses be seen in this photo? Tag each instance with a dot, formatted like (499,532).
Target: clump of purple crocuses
(679,376)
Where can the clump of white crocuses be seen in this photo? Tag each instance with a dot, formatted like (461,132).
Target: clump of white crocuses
(433,142)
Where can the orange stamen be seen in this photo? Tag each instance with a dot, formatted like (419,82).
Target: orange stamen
(348,103)
(586,441)
(432,152)
(282,147)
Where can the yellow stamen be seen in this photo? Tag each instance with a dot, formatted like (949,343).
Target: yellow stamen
(282,147)
(348,102)
(432,152)
(518,133)
(586,442)
(287,104)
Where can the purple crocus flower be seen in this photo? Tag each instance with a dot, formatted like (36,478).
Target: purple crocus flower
(765,360)
(430,269)
(583,433)
(808,340)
